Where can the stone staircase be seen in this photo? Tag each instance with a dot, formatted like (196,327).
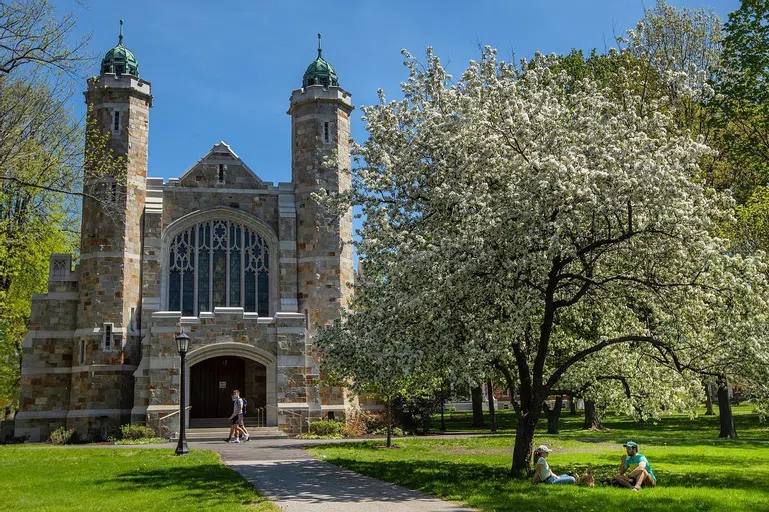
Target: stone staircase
(220,432)
(221,423)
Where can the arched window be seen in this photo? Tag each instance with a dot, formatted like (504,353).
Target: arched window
(217,263)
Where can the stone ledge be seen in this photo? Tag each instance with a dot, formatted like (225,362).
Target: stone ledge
(288,315)
(56,296)
(78,369)
(293,406)
(229,311)
(72,413)
(333,407)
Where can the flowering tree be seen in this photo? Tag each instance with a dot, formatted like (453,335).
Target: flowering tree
(550,219)
(383,361)
(620,379)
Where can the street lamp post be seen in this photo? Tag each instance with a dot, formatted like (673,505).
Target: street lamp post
(182,344)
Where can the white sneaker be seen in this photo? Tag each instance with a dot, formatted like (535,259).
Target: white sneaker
(235,441)
(247,436)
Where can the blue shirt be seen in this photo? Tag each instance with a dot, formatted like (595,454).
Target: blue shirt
(632,462)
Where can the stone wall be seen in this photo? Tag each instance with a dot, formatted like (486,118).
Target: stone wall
(276,344)
(49,354)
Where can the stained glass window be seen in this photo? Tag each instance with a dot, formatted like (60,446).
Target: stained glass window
(218,263)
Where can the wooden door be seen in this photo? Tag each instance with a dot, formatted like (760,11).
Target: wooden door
(211,385)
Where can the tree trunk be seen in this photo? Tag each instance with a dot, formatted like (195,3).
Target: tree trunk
(553,415)
(572,406)
(592,417)
(477,397)
(524,445)
(389,422)
(709,400)
(492,415)
(725,410)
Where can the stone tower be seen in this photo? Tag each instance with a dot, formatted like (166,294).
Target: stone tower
(320,126)
(108,336)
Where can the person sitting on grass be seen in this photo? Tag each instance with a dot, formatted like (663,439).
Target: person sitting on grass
(542,472)
(635,470)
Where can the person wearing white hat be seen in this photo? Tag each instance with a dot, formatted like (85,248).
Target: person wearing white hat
(542,472)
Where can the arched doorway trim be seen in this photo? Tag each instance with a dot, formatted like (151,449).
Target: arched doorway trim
(230,348)
(246,351)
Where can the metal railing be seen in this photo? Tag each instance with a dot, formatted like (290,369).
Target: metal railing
(261,416)
(160,429)
(173,413)
(302,418)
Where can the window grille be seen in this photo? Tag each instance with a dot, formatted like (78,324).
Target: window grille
(218,263)
(108,336)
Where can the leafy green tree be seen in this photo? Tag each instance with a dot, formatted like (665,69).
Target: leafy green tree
(42,160)
(743,101)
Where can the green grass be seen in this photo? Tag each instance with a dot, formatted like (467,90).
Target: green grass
(669,427)
(142,440)
(696,471)
(40,478)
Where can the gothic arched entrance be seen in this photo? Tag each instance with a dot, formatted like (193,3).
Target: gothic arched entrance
(211,385)
(215,370)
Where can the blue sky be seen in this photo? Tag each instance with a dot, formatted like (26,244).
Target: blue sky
(224,70)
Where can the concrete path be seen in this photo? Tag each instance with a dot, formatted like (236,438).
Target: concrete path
(283,471)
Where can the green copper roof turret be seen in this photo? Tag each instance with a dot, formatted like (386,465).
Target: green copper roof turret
(320,72)
(120,60)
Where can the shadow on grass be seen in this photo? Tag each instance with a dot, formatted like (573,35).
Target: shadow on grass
(491,488)
(205,484)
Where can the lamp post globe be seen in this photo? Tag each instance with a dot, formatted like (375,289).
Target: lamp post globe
(182,345)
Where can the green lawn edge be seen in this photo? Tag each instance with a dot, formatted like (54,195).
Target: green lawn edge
(697,471)
(48,478)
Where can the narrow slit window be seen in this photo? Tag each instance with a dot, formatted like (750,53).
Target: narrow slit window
(81,353)
(108,335)
(113,191)
(326,136)
(116,122)
(220,173)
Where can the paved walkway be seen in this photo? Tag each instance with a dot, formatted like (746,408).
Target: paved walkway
(283,471)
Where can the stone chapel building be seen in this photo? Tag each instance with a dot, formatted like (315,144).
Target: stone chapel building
(248,268)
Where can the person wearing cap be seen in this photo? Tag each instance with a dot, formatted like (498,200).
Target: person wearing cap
(542,472)
(635,469)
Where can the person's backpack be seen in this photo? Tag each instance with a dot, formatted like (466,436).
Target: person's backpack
(245,404)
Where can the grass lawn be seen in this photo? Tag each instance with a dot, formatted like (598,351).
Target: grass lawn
(695,470)
(42,478)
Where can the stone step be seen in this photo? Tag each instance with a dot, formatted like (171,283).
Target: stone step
(221,424)
(250,421)
(213,434)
